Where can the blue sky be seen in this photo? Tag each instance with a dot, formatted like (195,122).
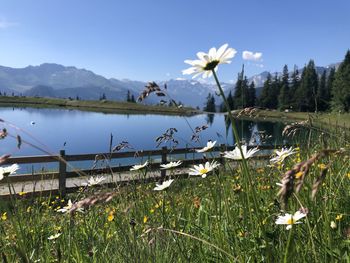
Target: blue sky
(150,39)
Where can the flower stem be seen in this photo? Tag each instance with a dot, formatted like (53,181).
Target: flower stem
(288,245)
(247,179)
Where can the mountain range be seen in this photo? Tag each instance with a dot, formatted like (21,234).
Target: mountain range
(54,80)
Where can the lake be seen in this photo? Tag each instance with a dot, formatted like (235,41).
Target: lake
(79,132)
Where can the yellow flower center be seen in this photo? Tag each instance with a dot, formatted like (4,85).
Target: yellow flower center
(290,221)
(203,171)
(211,65)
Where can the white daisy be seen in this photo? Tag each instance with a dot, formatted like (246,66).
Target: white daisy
(289,219)
(8,170)
(202,170)
(164,185)
(170,165)
(139,166)
(281,155)
(94,180)
(236,153)
(68,207)
(209,61)
(52,237)
(209,146)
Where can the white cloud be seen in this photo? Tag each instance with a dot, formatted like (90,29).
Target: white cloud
(168,74)
(249,55)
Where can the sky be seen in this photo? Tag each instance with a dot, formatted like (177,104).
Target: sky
(150,39)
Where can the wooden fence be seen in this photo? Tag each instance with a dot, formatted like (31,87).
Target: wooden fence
(64,160)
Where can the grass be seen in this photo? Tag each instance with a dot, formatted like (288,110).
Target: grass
(322,119)
(194,220)
(105,106)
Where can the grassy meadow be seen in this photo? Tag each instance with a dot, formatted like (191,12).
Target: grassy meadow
(229,216)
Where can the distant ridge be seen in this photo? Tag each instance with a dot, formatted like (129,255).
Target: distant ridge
(54,80)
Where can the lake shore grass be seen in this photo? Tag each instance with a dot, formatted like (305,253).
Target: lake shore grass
(322,118)
(104,106)
(195,219)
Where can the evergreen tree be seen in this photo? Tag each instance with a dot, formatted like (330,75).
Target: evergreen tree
(230,103)
(306,93)
(284,95)
(322,94)
(241,92)
(293,88)
(329,84)
(264,99)
(132,99)
(251,100)
(103,96)
(275,91)
(210,105)
(341,86)
(128,97)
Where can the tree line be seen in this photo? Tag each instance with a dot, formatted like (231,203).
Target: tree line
(307,92)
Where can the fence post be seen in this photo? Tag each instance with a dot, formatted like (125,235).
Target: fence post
(62,173)
(164,161)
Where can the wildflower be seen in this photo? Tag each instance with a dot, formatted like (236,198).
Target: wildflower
(164,185)
(236,153)
(110,216)
(322,166)
(348,175)
(52,237)
(4,216)
(339,217)
(21,193)
(281,155)
(202,170)
(289,219)
(333,225)
(94,180)
(8,170)
(145,219)
(68,207)
(299,174)
(210,145)
(208,62)
(139,166)
(170,165)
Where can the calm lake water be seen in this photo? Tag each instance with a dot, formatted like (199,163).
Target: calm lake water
(79,132)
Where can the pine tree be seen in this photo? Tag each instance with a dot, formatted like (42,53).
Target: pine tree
(283,98)
(132,99)
(230,103)
(330,80)
(322,94)
(341,86)
(251,101)
(264,96)
(275,91)
(241,92)
(128,97)
(293,88)
(306,94)
(210,105)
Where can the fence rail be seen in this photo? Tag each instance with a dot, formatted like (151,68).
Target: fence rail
(63,160)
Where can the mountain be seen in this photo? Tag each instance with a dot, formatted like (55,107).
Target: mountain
(54,80)
(259,79)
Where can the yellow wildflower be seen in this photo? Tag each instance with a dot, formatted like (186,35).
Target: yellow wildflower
(110,216)
(322,166)
(339,217)
(298,174)
(348,175)
(145,219)
(4,216)
(22,193)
